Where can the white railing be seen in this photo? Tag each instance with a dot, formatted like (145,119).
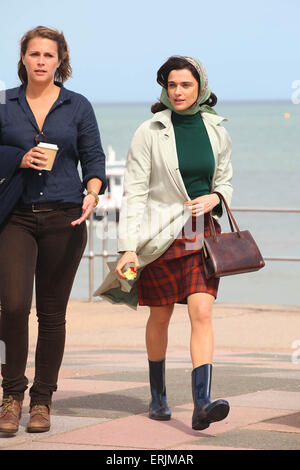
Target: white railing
(105,254)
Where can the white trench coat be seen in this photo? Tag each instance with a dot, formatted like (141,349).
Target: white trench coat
(153,211)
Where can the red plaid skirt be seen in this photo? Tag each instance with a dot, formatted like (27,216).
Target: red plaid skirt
(178,272)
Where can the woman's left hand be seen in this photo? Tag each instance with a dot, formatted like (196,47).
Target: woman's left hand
(202,204)
(87,209)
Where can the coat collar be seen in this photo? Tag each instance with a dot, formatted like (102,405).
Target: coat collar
(164,117)
(167,139)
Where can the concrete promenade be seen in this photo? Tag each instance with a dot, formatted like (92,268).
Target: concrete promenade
(103,391)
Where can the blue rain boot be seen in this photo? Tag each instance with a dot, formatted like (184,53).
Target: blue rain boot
(205,411)
(158,408)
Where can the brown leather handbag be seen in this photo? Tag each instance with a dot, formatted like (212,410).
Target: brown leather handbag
(230,253)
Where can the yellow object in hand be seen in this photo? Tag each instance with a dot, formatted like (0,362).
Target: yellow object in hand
(130,274)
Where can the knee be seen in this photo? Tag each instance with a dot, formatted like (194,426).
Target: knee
(201,317)
(161,316)
(14,311)
(51,321)
(163,322)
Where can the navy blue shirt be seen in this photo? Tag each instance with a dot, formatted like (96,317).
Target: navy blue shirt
(71,125)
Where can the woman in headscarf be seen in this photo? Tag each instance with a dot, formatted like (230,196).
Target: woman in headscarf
(177,163)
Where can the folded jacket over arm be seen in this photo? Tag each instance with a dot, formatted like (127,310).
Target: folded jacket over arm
(11,178)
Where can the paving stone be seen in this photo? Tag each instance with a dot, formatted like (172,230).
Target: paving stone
(104,405)
(275,399)
(196,448)
(59,424)
(254,440)
(289,423)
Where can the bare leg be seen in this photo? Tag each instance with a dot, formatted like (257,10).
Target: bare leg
(202,340)
(205,411)
(156,342)
(157,332)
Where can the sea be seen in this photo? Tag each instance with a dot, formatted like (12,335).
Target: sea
(266,175)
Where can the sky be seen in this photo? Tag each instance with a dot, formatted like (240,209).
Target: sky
(250,48)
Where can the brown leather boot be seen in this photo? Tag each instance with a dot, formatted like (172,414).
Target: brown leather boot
(39,418)
(10,415)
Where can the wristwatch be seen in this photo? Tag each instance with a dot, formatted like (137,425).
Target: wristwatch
(95,196)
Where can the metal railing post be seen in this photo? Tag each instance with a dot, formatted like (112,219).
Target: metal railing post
(104,243)
(91,256)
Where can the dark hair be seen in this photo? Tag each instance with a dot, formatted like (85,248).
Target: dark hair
(177,63)
(64,71)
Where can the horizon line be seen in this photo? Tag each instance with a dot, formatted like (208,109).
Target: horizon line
(255,100)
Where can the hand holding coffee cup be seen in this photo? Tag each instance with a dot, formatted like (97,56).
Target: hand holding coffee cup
(40,158)
(35,158)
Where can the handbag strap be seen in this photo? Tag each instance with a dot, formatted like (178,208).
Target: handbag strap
(230,218)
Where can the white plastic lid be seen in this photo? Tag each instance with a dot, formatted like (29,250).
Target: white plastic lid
(48,146)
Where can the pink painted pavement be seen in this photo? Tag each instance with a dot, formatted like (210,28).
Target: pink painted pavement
(108,367)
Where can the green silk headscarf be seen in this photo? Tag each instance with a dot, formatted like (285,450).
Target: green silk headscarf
(204,92)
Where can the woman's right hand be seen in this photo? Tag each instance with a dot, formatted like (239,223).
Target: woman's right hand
(128,257)
(35,158)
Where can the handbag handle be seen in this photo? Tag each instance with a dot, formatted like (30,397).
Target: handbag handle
(230,218)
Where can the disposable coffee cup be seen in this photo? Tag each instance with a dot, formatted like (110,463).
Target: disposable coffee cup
(50,151)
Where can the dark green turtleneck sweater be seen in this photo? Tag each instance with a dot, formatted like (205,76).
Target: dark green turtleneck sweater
(195,155)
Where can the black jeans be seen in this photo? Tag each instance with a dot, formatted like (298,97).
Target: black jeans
(45,247)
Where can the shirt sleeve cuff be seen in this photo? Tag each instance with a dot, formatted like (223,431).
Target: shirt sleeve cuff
(101,177)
